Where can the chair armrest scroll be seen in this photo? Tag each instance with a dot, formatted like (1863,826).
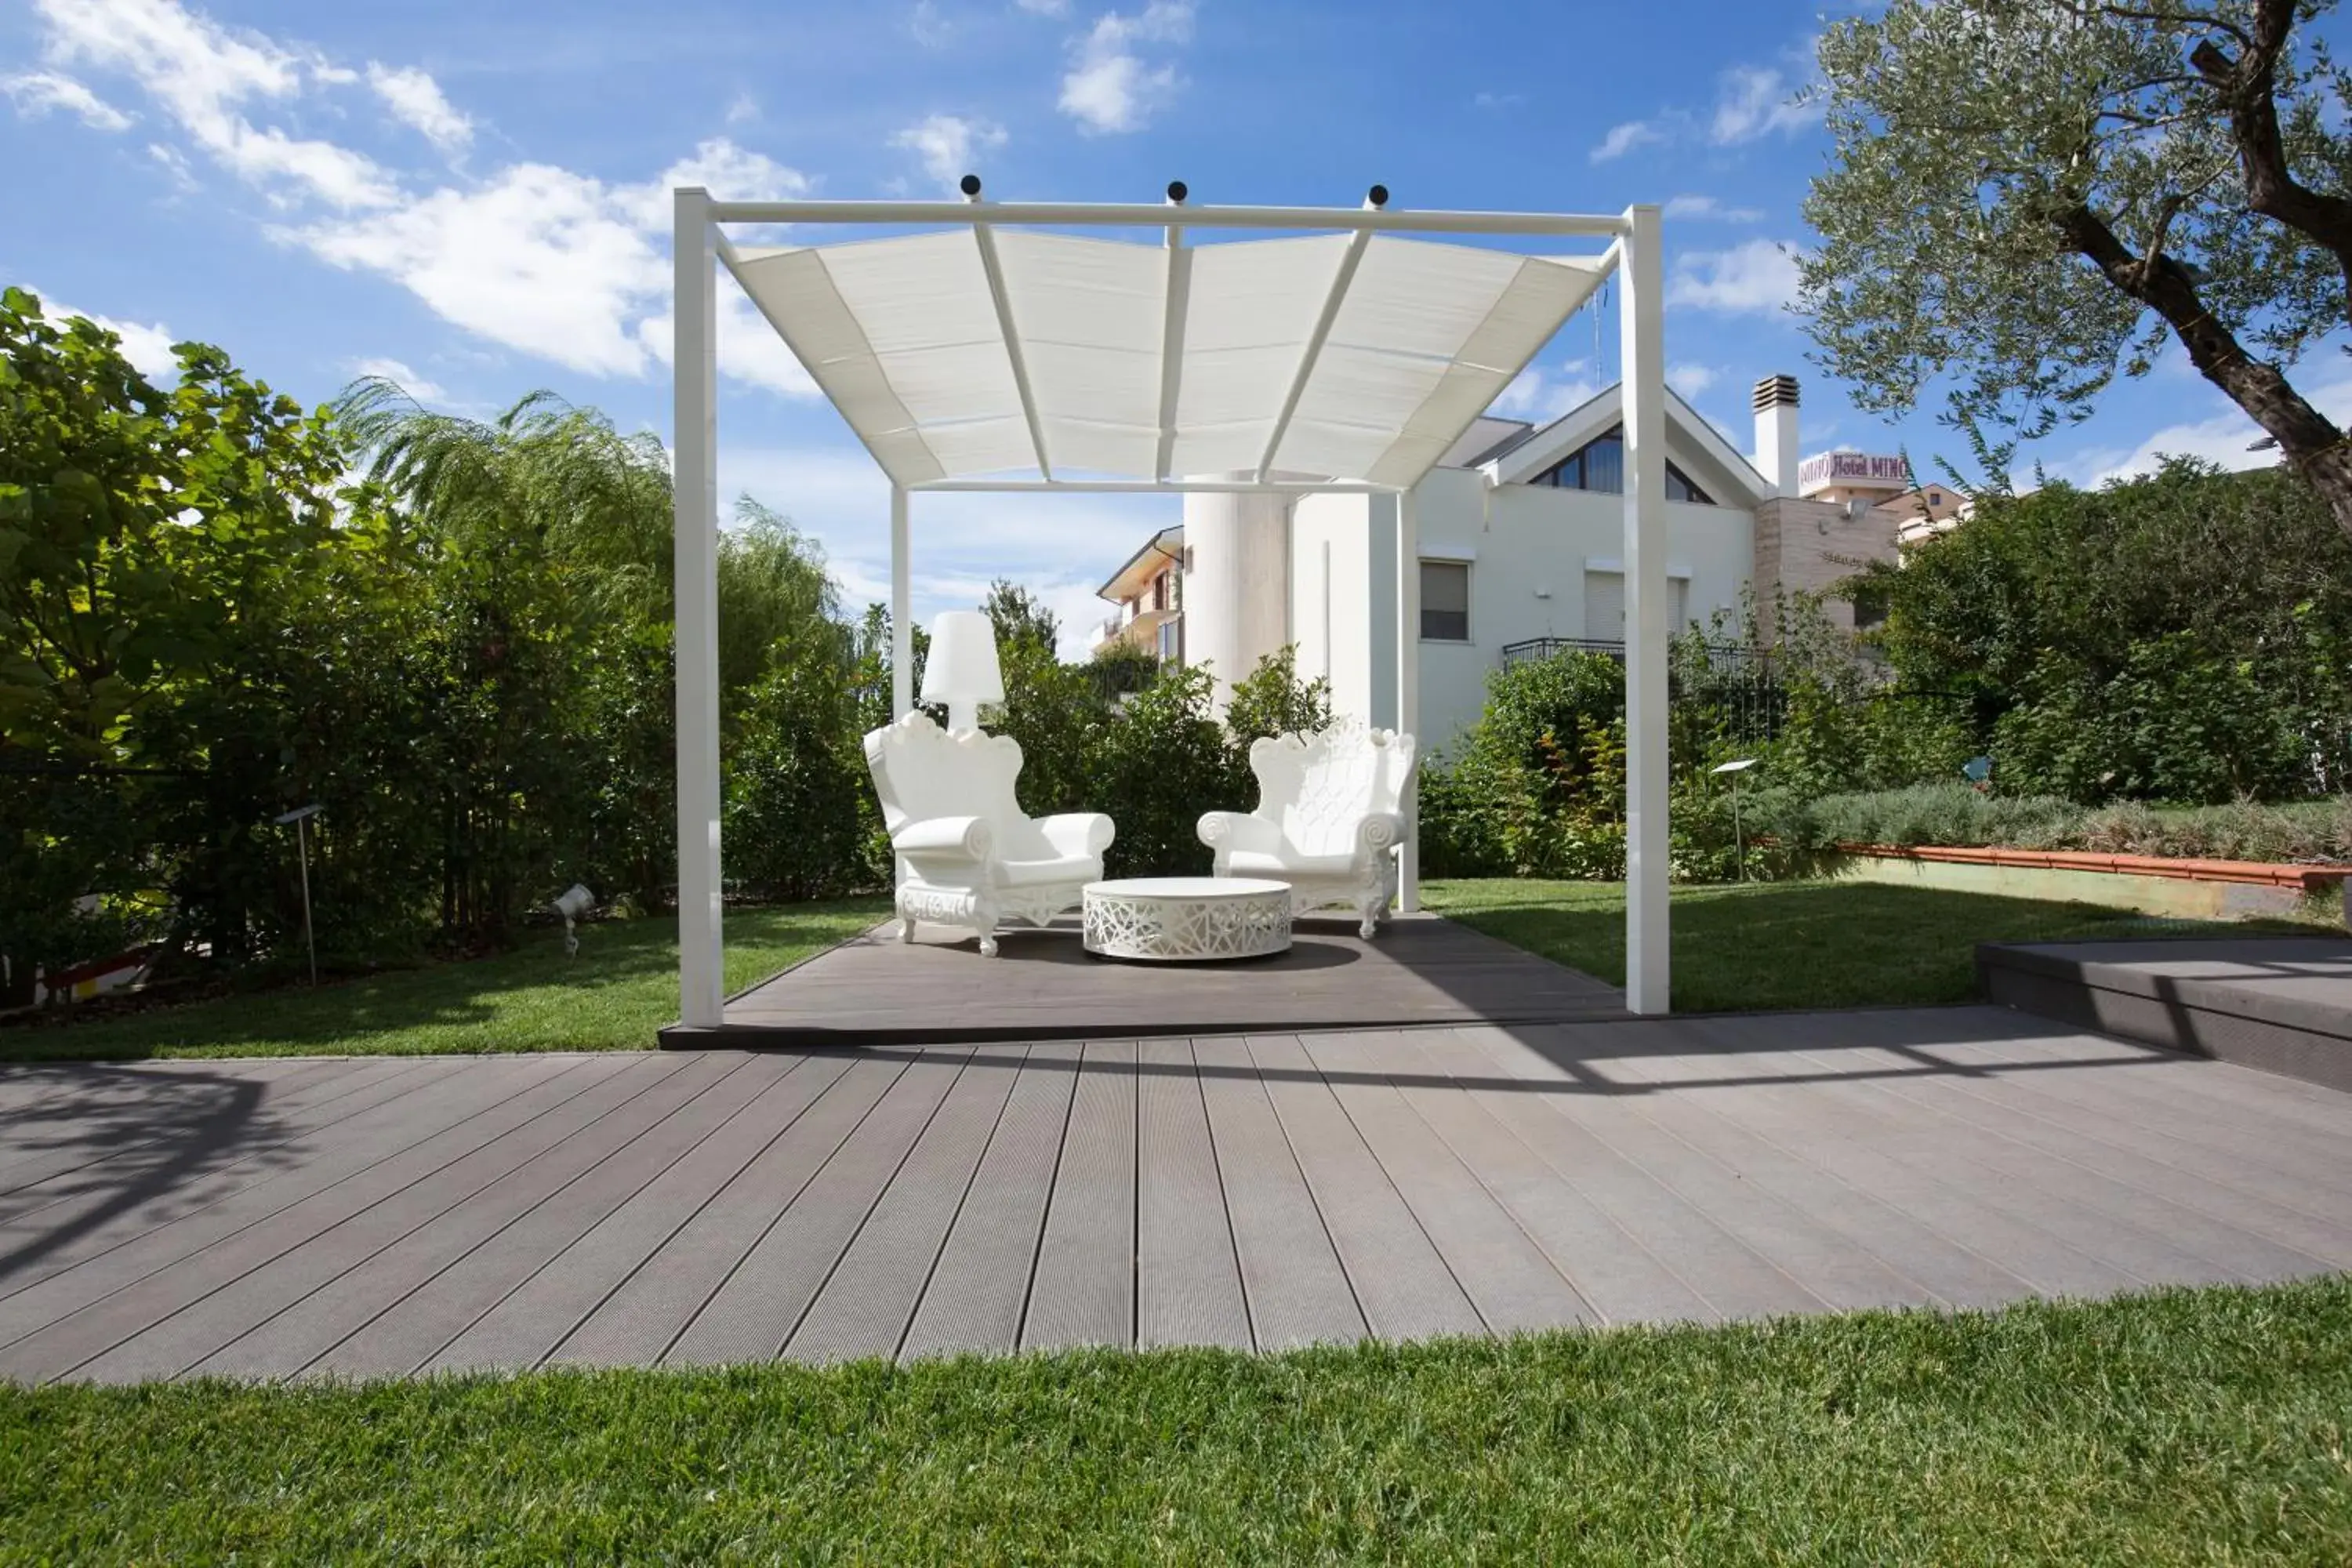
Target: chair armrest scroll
(1377,831)
(945,840)
(1228,830)
(1077,833)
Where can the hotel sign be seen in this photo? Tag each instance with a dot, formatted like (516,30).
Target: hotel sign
(1852,467)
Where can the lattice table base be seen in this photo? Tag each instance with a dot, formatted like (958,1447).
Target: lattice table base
(1187,920)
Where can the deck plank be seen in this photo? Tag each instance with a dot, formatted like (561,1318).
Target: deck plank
(820,1106)
(976,1294)
(1292,1281)
(761,1304)
(1507,1275)
(377,1156)
(521,1331)
(545,1151)
(1083,1292)
(1188,1287)
(866,1306)
(1399,1282)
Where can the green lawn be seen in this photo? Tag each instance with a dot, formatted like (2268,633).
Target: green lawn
(1791,944)
(2183,1427)
(613,996)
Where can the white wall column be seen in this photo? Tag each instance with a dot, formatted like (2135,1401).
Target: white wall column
(701,967)
(1408,687)
(1641,354)
(902,611)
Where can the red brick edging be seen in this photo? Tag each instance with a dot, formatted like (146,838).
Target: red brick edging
(2258,873)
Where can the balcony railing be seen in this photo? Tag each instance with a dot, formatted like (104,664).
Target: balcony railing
(1720,653)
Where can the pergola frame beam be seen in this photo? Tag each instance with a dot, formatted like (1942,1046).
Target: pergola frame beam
(985,236)
(1338,296)
(1178,300)
(1633,254)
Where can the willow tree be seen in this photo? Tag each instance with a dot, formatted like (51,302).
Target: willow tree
(2027,198)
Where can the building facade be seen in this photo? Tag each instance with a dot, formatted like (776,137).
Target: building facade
(1521,530)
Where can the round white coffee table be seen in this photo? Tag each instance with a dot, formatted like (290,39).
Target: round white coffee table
(1185,920)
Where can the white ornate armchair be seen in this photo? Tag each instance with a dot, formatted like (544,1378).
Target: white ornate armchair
(1328,819)
(967,855)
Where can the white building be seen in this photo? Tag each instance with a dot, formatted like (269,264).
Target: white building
(1521,530)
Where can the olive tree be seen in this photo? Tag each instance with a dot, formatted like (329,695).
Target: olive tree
(2029,197)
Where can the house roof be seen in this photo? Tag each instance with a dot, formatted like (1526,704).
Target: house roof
(983,352)
(1169,543)
(1519,460)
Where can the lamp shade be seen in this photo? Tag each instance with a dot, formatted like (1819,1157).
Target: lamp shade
(962,666)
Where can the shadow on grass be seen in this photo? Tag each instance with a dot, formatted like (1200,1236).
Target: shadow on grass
(1798,945)
(615,994)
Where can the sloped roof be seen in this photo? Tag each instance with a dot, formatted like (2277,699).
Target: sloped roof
(1521,457)
(984,352)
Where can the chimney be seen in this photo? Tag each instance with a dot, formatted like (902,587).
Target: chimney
(1776,432)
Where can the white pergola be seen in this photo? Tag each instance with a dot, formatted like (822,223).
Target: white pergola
(993,351)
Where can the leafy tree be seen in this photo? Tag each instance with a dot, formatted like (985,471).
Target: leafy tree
(2030,196)
(1021,618)
(1271,700)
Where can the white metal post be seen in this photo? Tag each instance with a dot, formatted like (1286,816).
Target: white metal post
(701,967)
(1408,687)
(902,610)
(1641,356)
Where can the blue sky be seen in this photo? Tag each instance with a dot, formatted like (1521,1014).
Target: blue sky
(472,197)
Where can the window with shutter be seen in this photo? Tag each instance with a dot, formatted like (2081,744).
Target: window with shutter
(1604,606)
(1445,601)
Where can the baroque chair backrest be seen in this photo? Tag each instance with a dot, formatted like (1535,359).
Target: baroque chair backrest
(921,772)
(1318,787)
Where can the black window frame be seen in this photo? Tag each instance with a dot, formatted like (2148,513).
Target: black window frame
(1461,616)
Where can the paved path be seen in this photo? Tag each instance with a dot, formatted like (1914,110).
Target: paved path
(369,1216)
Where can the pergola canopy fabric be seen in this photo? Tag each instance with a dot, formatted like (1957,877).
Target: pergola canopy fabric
(980,352)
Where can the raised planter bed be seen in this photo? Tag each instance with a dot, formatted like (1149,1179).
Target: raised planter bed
(2153,884)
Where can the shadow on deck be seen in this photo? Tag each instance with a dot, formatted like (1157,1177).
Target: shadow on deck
(874,990)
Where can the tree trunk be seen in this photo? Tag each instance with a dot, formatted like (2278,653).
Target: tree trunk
(2308,439)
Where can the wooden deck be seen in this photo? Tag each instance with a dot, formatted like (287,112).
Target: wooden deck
(875,990)
(367,1217)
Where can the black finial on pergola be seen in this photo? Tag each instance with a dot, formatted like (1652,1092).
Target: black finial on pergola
(1378,195)
(1178,191)
(969,186)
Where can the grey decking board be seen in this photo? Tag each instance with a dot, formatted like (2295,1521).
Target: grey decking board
(1400,1282)
(823,1103)
(1188,1287)
(1508,1279)
(1954,1274)
(1294,1288)
(1823,1263)
(1083,1291)
(2140,1193)
(77,1215)
(61,1145)
(458,1115)
(541,1160)
(866,1306)
(520,1226)
(762,1303)
(263,1272)
(1519,1150)
(977,1290)
(523,1327)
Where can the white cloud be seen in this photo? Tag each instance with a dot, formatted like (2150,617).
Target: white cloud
(1498,99)
(928,27)
(1755,102)
(1109,86)
(415,100)
(2225,438)
(204,74)
(36,93)
(1707,208)
(1759,277)
(1045,8)
(536,257)
(744,111)
(1692,379)
(146,344)
(1622,138)
(396,371)
(1543,395)
(950,145)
